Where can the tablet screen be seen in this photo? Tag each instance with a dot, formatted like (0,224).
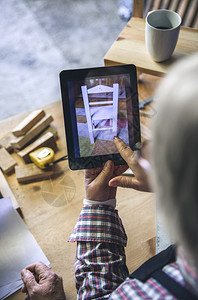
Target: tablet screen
(99,103)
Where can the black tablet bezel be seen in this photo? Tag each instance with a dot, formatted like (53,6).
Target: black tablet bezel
(80,74)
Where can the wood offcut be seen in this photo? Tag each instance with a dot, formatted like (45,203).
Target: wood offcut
(7,162)
(30,172)
(28,122)
(51,129)
(21,142)
(46,140)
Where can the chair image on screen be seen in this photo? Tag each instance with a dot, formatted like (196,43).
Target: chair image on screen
(100,109)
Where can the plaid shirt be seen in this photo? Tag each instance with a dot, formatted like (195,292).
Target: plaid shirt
(100,267)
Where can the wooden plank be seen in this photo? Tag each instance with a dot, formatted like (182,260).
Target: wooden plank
(165,4)
(156,4)
(183,8)
(30,173)
(7,162)
(191,14)
(5,141)
(46,140)
(28,122)
(147,7)
(21,142)
(174,5)
(195,23)
(7,192)
(51,129)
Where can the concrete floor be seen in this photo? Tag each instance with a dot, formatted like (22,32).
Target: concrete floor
(39,38)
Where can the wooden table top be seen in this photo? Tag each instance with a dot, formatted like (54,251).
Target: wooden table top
(51,207)
(129,48)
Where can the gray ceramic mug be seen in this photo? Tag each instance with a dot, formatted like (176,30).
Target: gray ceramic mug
(161,33)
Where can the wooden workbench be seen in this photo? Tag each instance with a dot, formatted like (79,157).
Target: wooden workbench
(130,48)
(51,207)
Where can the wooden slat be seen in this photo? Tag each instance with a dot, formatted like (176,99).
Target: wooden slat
(51,129)
(156,4)
(28,122)
(21,142)
(195,23)
(100,103)
(7,162)
(166,4)
(151,2)
(192,11)
(29,173)
(47,140)
(187,9)
(183,8)
(148,6)
(7,192)
(106,128)
(174,5)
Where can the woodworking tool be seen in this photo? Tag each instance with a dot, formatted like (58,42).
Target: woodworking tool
(42,156)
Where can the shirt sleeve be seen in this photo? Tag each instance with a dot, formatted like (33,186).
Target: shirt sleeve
(110,202)
(100,265)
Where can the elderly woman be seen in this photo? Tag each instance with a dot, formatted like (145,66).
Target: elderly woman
(100,268)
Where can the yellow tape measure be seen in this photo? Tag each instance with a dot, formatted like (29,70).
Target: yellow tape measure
(42,156)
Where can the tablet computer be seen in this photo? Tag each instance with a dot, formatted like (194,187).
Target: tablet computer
(98,104)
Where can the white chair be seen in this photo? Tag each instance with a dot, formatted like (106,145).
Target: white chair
(100,109)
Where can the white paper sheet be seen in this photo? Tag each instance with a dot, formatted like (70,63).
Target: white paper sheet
(18,248)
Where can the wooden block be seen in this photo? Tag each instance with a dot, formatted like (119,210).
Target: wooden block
(51,129)
(5,141)
(21,142)
(7,162)
(30,172)
(7,192)
(46,140)
(28,122)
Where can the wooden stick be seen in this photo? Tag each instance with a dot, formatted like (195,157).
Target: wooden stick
(21,142)
(30,172)
(7,192)
(7,162)
(46,140)
(28,122)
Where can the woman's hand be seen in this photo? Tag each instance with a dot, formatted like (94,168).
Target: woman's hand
(137,164)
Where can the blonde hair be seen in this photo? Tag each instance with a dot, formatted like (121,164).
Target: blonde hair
(175,153)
